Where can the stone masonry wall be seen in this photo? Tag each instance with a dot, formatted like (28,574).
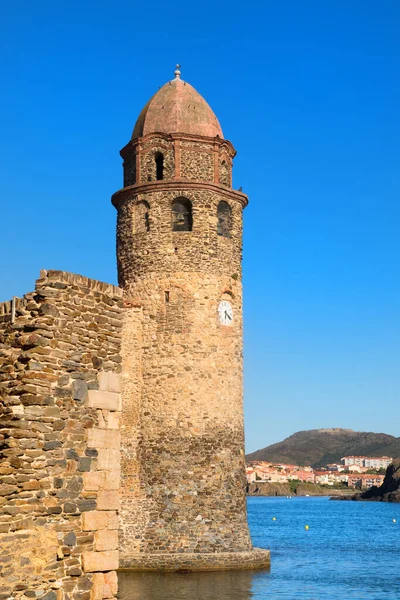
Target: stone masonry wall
(197,165)
(182,489)
(185,444)
(131,490)
(129,168)
(148,163)
(160,249)
(59,416)
(225,171)
(184,157)
(183,504)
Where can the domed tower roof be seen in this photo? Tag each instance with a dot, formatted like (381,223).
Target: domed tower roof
(177,108)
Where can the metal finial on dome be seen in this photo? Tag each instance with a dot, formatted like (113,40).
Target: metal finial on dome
(177,72)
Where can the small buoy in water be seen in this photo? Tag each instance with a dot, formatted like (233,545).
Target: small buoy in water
(274,518)
(394,520)
(306,527)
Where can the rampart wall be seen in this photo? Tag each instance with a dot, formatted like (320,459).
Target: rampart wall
(60,366)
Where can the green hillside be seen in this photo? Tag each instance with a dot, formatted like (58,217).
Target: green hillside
(318,447)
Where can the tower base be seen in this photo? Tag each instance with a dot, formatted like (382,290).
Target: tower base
(213,561)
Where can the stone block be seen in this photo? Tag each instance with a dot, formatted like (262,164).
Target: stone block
(108,500)
(113,420)
(104,438)
(100,480)
(7,490)
(108,460)
(106,540)
(79,389)
(113,522)
(109,381)
(50,596)
(93,481)
(112,480)
(70,539)
(114,382)
(100,561)
(110,584)
(84,464)
(97,587)
(103,399)
(95,520)
(102,378)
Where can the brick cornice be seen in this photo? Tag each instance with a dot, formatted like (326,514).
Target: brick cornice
(174,185)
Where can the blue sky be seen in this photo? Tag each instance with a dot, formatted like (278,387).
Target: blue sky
(309,94)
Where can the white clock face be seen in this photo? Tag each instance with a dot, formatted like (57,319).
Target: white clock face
(225,313)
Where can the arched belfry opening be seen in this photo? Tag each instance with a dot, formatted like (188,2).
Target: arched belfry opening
(159,160)
(224,214)
(182,219)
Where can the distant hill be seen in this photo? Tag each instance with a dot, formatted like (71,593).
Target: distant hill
(318,447)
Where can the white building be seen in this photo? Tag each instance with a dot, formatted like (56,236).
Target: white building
(380,462)
(370,462)
(353,460)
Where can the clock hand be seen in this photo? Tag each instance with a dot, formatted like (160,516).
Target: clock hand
(226,314)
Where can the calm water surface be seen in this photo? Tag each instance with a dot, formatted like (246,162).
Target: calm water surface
(350,552)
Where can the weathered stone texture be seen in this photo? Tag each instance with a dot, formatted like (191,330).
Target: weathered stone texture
(256,558)
(161,250)
(182,490)
(185,157)
(197,165)
(185,447)
(60,400)
(225,170)
(148,160)
(121,412)
(130,169)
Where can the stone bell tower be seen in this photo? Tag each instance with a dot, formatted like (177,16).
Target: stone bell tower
(179,244)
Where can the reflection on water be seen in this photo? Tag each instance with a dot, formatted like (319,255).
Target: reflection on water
(219,585)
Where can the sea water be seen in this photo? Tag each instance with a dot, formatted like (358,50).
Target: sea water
(350,551)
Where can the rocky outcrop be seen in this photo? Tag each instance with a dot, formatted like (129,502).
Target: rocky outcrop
(266,488)
(389,491)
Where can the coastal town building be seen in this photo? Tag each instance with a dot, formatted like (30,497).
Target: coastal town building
(338,477)
(377,462)
(356,469)
(305,475)
(353,475)
(364,481)
(122,439)
(323,478)
(335,467)
(370,462)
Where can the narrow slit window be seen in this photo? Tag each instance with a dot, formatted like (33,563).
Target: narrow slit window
(159,158)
